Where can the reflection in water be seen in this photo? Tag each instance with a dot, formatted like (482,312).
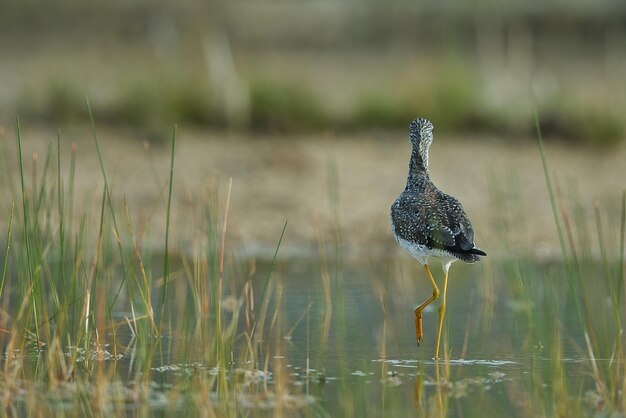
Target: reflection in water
(363,362)
(434,404)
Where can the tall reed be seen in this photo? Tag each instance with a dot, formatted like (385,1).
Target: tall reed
(86,305)
(602,324)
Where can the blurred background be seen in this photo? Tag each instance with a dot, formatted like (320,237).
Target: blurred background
(292,116)
(305,104)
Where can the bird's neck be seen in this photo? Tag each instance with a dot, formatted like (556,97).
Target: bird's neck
(418,166)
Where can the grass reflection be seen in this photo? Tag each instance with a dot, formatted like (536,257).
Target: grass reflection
(95,321)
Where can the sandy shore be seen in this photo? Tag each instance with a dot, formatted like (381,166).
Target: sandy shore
(294,179)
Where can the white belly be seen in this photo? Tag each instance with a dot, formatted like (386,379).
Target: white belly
(423,254)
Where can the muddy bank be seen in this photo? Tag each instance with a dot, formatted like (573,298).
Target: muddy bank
(313,182)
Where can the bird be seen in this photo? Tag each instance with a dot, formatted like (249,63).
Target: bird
(430,224)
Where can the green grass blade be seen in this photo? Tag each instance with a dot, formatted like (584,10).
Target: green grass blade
(107,194)
(18,135)
(572,272)
(622,233)
(60,210)
(602,246)
(6,250)
(551,192)
(166,259)
(267,279)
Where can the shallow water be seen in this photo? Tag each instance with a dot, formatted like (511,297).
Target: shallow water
(497,360)
(361,359)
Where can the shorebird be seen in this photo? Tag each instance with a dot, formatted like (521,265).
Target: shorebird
(430,224)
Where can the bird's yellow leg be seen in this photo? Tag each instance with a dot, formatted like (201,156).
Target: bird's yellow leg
(419,335)
(442,312)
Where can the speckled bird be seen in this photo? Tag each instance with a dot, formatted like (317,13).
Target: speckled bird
(430,224)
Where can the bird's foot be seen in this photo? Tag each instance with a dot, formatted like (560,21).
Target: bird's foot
(419,334)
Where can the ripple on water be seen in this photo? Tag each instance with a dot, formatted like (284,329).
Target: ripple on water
(412,363)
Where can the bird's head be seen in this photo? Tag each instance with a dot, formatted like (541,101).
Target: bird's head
(421,136)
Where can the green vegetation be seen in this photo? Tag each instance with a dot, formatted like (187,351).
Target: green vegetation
(454,98)
(279,107)
(472,70)
(59,99)
(602,324)
(98,322)
(591,124)
(158,100)
(79,299)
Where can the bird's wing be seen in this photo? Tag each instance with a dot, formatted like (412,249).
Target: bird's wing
(436,220)
(451,229)
(409,220)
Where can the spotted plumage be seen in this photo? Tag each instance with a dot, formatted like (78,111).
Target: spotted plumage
(423,218)
(430,224)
